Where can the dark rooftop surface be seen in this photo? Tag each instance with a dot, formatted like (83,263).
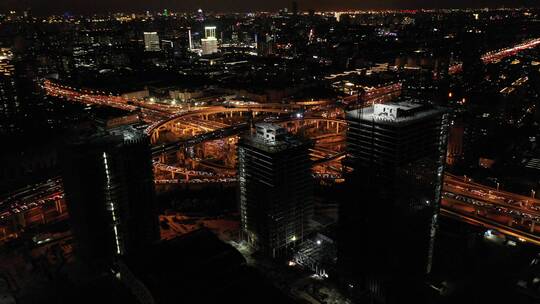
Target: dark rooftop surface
(200,268)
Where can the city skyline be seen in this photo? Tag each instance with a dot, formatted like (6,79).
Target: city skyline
(102,6)
(345,157)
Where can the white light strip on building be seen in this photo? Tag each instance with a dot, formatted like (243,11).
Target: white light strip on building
(112,204)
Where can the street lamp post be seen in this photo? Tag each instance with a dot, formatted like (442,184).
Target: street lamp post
(533,193)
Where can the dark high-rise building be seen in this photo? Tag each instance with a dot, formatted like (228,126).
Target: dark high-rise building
(265,45)
(455,143)
(388,220)
(108,181)
(276,189)
(473,68)
(9,101)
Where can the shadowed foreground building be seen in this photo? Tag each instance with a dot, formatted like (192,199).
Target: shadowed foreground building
(276,188)
(388,218)
(198,268)
(108,181)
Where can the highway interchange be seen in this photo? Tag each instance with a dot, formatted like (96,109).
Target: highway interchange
(462,198)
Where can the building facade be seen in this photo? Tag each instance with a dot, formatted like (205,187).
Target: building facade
(151,42)
(388,218)
(276,189)
(209,43)
(9,100)
(108,181)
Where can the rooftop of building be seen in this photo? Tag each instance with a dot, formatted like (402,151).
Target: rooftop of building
(272,138)
(110,118)
(270,127)
(402,112)
(108,136)
(200,268)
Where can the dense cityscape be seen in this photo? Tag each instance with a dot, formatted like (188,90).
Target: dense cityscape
(294,155)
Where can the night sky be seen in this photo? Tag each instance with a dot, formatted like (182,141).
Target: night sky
(89,6)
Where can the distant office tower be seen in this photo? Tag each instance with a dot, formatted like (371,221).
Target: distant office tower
(388,218)
(455,143)
(200,15)
(9,101)
(210,32)
(276,189)
(209,43)
(474,69)
(265,45)
(190,40)
(108,181)
(151,42)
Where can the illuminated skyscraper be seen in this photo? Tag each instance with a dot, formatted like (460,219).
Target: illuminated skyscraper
(209,43)
(190,41)
(151,42)
(200,15)
(108,181)
(276,189)
(388,220)
(210,32)
(9,101)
